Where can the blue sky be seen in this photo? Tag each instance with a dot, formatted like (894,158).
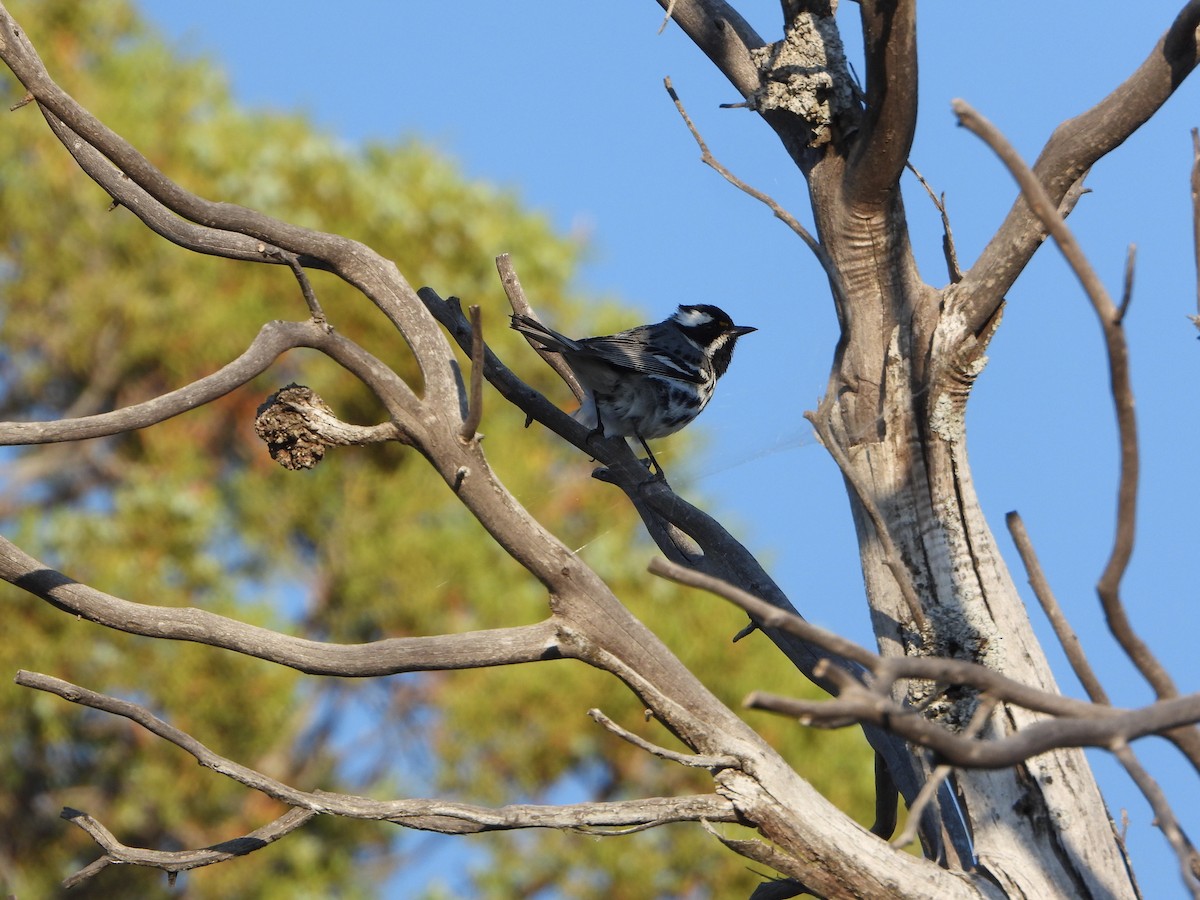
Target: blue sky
(565,104)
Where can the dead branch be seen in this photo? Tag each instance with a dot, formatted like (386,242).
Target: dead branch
(521,306)
(884,671)
(359,265)
(427,815)
(177,861)
(306,288)
(706,157)
(468,650)
(1122,392)
(887,128)
(1104,727)
(470,424)
(159,217)
(685,759)
(1077,723)
(1196,216)
(1164,817)
(1074,147)
(1067,638)
(953,270)
(273,339)
(724,37)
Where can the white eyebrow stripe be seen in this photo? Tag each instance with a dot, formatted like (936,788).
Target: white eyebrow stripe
(692,317)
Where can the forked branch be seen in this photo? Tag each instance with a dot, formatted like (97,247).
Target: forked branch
(1076,723)
(175,861)
(601,818)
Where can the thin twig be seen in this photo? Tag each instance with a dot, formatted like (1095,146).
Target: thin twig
(831,272)
(475,404)
(686,759)
(1186,740)
(1067,638)
(767,614)
(1127,289)
(521,306)
(1196,216)
(1109,585)
(667,17)
(1164,816)
(948,248)
(306,288)
(939,774)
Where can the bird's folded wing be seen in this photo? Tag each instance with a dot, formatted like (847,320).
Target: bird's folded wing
(636,356)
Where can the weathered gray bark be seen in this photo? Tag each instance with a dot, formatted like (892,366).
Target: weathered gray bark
(893,415)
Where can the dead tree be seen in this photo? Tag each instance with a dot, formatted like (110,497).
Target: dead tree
(1006,804)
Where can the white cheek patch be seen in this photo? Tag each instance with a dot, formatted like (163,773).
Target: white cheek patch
(690,318)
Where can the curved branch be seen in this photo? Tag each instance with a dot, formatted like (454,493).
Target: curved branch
(881,149)
(178,860)
(1073,148)
(468,650)
(1067,638)
(272,340)
(22,58)
(521,306)
(359,265)
(1164,817)
(157,217)
(706,157)
(1122,393)
(684,759)
(426,815)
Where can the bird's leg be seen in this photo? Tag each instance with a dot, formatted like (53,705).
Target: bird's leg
(655,468)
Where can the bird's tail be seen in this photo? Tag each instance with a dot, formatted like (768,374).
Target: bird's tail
(547,337)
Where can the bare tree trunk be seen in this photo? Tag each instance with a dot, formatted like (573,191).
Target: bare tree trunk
(893,417)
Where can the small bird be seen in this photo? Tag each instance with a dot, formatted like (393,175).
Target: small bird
(649,381)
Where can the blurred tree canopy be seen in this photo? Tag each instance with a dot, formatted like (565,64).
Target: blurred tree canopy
(194,513)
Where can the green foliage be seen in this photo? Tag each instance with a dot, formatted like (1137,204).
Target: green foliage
(97,313)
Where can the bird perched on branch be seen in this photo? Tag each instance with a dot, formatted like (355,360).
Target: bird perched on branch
(649,381)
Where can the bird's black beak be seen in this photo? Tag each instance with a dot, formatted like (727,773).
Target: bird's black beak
(739,330)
